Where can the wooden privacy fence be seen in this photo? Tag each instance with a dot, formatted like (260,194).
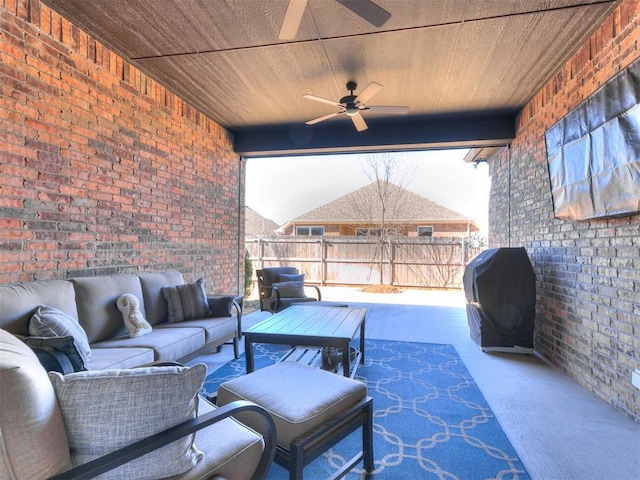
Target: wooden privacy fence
(352,260)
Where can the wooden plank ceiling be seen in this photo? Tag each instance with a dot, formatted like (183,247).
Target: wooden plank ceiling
(463,67)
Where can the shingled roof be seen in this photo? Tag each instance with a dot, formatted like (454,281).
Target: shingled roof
(412,207)
(256,224)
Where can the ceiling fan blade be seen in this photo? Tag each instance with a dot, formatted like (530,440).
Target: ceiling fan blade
(322,100)
(323,118)
(393,110)
(372,13)
(359,122)
(368,93)
(292,19)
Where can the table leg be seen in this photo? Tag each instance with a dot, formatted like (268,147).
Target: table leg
(346,360)
(362,341)
(248,354)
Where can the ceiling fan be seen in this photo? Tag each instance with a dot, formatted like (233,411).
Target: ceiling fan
(352,105)
(369,11)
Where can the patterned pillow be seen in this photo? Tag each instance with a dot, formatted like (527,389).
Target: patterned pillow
(221,306)
(104,410)
(290,289)
(51,322)
(58,354)
(186,302)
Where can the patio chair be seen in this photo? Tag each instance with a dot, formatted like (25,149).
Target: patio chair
(280,287)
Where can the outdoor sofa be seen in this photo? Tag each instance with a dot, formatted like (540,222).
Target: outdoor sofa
(130,396)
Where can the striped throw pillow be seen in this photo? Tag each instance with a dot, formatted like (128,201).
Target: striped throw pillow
(186,302)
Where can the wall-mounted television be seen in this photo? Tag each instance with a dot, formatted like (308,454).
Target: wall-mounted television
(593,153)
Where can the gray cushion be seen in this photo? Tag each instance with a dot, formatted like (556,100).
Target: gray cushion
(33,441)
(290,289)
(17,302)
(50,322)
(96,300)
(298,396)
(186,302)
(154,302)
(109,409)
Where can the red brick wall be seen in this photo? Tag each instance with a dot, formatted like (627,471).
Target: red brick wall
(588,272)
(102,170)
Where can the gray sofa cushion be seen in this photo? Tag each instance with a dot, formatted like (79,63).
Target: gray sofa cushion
(169,344)
(130,357)
(96,301)
(19,301)
(155,303)
(232,450)
(33,441)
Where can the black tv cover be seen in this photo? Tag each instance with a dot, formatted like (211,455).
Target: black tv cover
(500,290)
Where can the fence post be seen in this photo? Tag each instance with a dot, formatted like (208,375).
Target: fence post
(323,261)
(260,252)
(392,257)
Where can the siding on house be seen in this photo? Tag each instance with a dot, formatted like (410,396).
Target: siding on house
(588,272)
(102,169)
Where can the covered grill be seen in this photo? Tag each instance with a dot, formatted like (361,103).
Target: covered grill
(500,289)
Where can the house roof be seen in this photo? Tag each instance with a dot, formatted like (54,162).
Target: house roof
(464,68)
(256,224)
(363,203)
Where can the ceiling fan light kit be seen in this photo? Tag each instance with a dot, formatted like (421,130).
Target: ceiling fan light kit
(352,105)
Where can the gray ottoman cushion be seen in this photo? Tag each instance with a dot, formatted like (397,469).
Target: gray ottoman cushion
(298,396)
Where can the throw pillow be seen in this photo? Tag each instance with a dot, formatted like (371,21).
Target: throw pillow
(104,410)
(186,302)
(220,306)
(57,354)
(129,306)
(289,277)
(290,289)
(50,322)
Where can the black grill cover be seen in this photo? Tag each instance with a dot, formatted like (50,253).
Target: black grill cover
(500,289)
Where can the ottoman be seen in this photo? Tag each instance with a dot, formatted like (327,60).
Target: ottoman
(312,409)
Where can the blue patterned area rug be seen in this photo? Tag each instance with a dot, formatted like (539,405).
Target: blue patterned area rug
(430,422)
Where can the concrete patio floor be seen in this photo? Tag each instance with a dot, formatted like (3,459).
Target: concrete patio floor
(559,429)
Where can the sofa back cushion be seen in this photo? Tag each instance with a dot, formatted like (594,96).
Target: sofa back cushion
(18,302)
(96,301)
(152,284)
(33,441)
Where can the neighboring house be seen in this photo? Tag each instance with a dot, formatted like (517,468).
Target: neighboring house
(256,224)
(359,212)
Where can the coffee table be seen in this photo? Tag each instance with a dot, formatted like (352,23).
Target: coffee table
(309,325)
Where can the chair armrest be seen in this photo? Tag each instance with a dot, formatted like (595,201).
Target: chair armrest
(317,290)
(126,454)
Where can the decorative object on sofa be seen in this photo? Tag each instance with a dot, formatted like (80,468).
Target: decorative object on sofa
(57,354)
(186,302)
(145,400)
(136,324)
(50,322)
(41,451)
(313,411)
(221,306)
(273,297)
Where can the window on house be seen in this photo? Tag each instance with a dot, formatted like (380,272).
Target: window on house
(309,230)
(425,231)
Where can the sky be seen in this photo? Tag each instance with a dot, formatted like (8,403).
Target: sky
(284,188)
